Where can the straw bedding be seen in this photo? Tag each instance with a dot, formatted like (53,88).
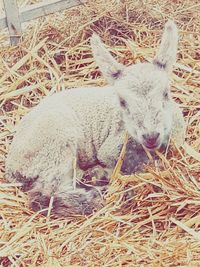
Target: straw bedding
(160,225)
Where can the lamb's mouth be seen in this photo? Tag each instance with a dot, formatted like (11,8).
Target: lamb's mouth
(151,147)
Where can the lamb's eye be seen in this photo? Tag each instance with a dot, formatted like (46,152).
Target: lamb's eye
(123,103)
(166,95)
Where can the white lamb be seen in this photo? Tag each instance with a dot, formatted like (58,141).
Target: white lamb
(89,124)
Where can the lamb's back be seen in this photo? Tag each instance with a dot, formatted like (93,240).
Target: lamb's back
(80,118)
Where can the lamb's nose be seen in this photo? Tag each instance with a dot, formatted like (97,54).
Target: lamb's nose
(151,139)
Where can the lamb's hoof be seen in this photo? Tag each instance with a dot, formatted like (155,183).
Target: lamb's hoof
(38,201)
(96,176)
(77,203)
(94,202)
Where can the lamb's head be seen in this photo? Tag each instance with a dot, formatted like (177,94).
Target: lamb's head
(143,89)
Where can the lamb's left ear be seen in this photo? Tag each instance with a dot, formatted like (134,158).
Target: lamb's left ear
(166,55)
(110,68)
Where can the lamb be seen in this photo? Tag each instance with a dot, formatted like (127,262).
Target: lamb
(88,125)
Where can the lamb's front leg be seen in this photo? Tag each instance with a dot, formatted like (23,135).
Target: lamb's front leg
(110,150)
(107,157)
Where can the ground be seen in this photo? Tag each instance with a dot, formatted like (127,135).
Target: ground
(160,225)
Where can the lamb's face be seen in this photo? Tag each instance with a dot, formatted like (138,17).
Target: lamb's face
(145,102)
(143,89)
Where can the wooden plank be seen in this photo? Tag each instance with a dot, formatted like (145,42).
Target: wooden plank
(13,20)
(41,9)
(45,8)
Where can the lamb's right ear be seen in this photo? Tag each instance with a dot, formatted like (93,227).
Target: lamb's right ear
(110,68)
(166,55)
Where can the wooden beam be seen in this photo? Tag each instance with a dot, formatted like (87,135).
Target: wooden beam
(45,8)
(38,10)
(12,20)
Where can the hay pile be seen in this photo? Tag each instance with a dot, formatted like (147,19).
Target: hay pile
(161,225)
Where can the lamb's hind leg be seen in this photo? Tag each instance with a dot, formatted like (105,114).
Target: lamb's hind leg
(66,199)
(77,201)
(68,202)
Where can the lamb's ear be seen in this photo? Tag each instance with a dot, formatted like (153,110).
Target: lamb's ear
(110,68)
(166,55)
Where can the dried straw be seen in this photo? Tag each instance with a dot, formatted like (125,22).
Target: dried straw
(160,225)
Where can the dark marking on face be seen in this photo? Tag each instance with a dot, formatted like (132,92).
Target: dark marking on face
(123,103)
(159,64)
(117,74)
(166,95)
